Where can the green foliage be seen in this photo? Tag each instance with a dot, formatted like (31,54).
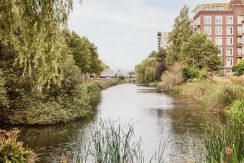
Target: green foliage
(225,143)
(11,150)
(194,73)
(236,110)
(201,53)
(33,28)
(181,33)
(230,93)
(151,69)
(238,69)
(145,72)
(84,53)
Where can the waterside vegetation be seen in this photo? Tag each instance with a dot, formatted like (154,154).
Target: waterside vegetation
(193,72)
(44,67)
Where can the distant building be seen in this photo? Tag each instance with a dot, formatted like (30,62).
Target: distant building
(224,25)
(108,73)
(163,41)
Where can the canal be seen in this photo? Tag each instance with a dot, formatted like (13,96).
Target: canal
(157,118)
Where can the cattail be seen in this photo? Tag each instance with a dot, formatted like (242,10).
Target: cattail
(228,152)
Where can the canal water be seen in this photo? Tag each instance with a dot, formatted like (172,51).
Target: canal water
(157,118)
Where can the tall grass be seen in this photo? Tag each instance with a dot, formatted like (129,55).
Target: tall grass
(111,143)
(225,143)
(211,95)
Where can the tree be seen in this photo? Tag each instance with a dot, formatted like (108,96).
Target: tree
(96,63)
(181,33)
(33,28)
(84,53)
(161,63)
(201,53)
(145,72)
(80,51)
(238,69)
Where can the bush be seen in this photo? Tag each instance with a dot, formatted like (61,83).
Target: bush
(237,80)
(13,151)
(171,78)
(194,73)
(238,69)
(230,93)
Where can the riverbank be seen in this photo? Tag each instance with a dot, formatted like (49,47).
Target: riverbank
(223,141)
(214,96)
(75,105)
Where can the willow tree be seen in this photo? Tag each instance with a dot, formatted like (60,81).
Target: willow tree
(145,72)
(33,28)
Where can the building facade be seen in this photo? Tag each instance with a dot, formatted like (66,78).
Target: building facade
(223,23)
(163,41)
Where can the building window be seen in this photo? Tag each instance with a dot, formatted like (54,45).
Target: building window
(229,40)
(229,30)
(229,51)
(207,30)
(218,30)
(207,19)
(229,62)
(218,20)
(218,40)
(229,20)
(239,19)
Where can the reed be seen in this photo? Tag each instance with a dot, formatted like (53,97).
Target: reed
(112,143)
(225,143)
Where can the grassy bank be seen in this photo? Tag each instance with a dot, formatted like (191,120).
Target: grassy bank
(60,107)
(214,96)
(223,142)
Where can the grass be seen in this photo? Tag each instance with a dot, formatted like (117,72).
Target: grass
(12,151)
(225,143)
(212,95)
(112,143)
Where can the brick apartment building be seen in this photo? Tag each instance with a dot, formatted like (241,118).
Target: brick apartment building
(224,25)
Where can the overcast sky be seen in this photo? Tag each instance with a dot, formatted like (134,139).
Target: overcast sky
(125,31)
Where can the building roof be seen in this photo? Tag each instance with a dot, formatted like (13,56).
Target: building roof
(211,7)
(236,2)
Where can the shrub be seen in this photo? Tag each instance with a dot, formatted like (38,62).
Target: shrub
(13,151)
(238,69)
(194,73)
(237,80)
(171,78)
(230,93)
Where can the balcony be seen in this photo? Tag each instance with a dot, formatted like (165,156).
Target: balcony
(239,33)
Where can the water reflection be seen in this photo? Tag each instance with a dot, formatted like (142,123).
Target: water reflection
(156,117)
